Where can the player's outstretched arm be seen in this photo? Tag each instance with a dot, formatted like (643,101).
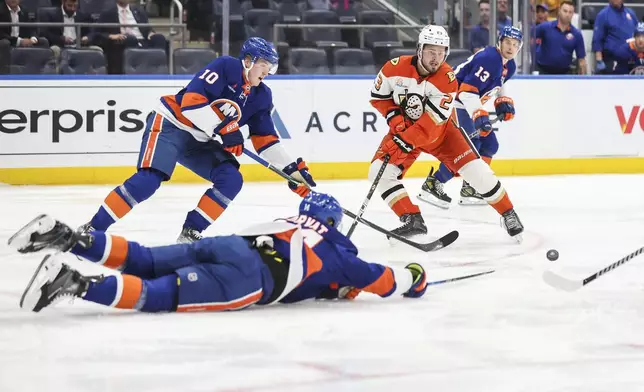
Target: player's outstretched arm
(385,281)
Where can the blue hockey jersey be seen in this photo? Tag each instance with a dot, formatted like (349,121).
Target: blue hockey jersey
(628,58)
(482,76)
(218,91)
(326,258)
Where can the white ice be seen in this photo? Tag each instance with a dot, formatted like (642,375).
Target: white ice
(507,331)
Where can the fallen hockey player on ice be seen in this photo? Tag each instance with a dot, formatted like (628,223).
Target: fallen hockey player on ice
(288,260)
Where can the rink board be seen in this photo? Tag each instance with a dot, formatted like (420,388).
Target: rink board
(58,130)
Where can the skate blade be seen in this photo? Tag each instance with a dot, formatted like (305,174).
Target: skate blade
(45,273)
(470,201)
(518,238)
(433,201)
(22,238)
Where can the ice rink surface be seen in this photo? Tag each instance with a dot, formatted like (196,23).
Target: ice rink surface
(507,331)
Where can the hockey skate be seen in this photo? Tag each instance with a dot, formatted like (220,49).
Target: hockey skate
(413,224)
(45,232)
(512,224)
(470,197)
(188,235)
(432,192)
(52,282)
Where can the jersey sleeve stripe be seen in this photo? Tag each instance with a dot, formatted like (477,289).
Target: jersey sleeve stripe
(193,101)
(384,285)
(465,87)
(174,107)
(380,96)
(261,143)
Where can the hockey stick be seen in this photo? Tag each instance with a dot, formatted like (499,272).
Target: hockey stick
(368,198)
(440,243)
(458,278)
(565,284)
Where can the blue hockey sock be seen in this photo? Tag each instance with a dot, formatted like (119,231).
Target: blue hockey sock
(130,292)
(123,198)
(443,174)
(227,182)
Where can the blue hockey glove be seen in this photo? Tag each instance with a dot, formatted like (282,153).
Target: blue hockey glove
(504,108)
(419,286)
(300,172)
(231,137)
(600,66)
(482,123)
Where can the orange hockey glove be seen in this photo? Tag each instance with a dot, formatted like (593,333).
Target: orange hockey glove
(396,121)
(397,148)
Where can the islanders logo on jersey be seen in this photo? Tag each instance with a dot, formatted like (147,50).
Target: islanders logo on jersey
(227,108)
(490,94)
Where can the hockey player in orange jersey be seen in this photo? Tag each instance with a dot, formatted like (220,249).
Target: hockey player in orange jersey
(416,95)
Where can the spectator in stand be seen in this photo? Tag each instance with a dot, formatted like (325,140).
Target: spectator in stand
(556,40)
(613,25)
(503,20)
(61,37)
(480,34)
(114,40)
(542,13)
(16,36)
(630,54)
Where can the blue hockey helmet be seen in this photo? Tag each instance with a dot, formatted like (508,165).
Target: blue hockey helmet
(258,48)
(639,30)
(511,32)
(323,207)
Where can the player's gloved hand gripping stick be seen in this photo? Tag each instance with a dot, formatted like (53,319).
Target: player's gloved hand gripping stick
(440,243)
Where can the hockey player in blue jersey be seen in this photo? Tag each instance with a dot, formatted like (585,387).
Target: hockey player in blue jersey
(288,260)
(481,77)
(225,95)
(630,55)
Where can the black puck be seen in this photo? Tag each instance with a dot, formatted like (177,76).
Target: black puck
(552,255)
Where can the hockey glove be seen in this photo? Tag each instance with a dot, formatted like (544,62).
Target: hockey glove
(336,292)
(419,286)
(231,137)
(300,172)
(397,149)
(504,108)
(600,66)
(396,121)
(482,123)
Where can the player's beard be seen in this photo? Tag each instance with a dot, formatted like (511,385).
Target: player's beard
(429,66)
(432,67)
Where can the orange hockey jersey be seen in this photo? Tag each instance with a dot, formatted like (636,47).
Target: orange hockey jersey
(398,79)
